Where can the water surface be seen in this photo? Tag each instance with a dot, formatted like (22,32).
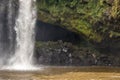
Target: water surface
(64,73)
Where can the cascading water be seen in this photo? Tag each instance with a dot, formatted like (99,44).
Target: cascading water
(24,28)
(7,36)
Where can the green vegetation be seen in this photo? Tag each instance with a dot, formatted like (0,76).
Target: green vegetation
(81,15)
(97,21)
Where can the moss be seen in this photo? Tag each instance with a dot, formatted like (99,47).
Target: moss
(115,11)
(115,34)
(80,15)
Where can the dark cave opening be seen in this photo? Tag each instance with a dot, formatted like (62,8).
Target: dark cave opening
(49,32)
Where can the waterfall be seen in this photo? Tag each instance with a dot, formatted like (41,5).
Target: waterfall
(25,26)
(7,20)
(22,29)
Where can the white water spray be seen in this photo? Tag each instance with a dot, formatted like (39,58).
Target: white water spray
(25,24)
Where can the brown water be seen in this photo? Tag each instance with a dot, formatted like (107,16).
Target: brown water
(64,73)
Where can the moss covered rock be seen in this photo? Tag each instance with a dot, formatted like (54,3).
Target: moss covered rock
(80,15)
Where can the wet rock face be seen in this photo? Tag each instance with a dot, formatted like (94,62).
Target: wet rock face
(59,53)
(8,14)
(65,54)
(53,55)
